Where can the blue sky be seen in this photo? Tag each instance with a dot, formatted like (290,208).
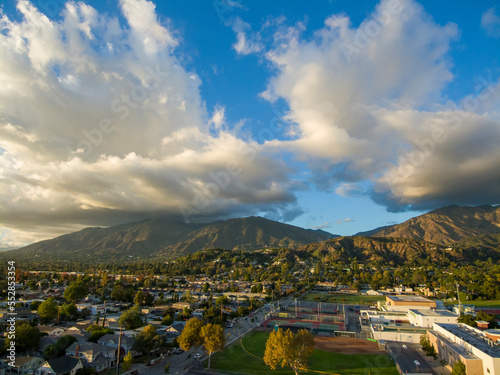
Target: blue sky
(343,115)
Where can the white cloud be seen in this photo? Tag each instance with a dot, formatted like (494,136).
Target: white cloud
(490,22)
(219,117)
(343,221)
(246,43)
(101,124)
(363,99)
(326,224)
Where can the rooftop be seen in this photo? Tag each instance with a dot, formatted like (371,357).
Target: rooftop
(493,331)
(442,313)
(405,298)
(469,335)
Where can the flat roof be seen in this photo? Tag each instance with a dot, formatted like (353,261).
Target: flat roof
(468,335)
(442,313)
(457,348)
(405,298)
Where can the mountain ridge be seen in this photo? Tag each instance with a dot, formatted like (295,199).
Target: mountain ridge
(445,225)
(168,238)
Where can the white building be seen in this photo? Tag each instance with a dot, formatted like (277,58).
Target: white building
(426,318)
(460,342)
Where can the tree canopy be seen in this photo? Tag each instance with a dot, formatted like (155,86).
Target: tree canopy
(288,349)
(147,340)
(76,290)
(132,318)
(191,334)
(27,338)
(47,310)
(213,339)
(458,368)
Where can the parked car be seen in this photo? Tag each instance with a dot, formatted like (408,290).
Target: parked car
(179,351)
(197,355)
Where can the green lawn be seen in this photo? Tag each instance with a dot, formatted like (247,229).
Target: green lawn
(494,304)
(234,358)
(351,299)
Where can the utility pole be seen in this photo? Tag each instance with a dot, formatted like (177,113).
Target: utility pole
(118,352)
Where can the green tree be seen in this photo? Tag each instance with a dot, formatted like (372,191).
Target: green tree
(27,338)
(190,336)
(65,341)
(35,304)
(213,339)
(76,290)
(96,332)
(149,299)
(468,319)
(68,311)
(58,349)
(167,320)
(118,292)
(458,369)
(47,311)
(132,318)
(147,340)
(139,298)
(127,361)
(288,349)
(222,300)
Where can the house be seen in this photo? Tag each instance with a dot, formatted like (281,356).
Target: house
(173,331)
(97,356)
(111,340)
(26,365)
(80,334)
(51,330)
(60,366)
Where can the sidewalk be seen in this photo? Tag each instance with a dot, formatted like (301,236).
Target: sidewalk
(435,364)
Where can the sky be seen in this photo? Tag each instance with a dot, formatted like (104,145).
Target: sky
(342,115)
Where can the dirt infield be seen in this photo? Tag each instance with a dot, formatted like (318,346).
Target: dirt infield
(346,345)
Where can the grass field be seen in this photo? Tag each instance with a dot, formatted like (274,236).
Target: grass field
(235,358)
(351,299)
(494,304)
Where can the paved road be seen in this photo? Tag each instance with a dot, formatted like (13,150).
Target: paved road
(180,363)
(409,359)
(353,324)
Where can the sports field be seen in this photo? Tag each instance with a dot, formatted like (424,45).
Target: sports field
(246,357)
(314,327)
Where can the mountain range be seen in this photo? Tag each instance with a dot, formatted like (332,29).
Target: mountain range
(167,238)
(474,229)
(446,225)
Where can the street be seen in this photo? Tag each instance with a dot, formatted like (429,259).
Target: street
(180,363)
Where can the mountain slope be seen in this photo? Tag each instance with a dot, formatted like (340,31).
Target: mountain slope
(447,225)
(166,238)
(370,249)
(246,234)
